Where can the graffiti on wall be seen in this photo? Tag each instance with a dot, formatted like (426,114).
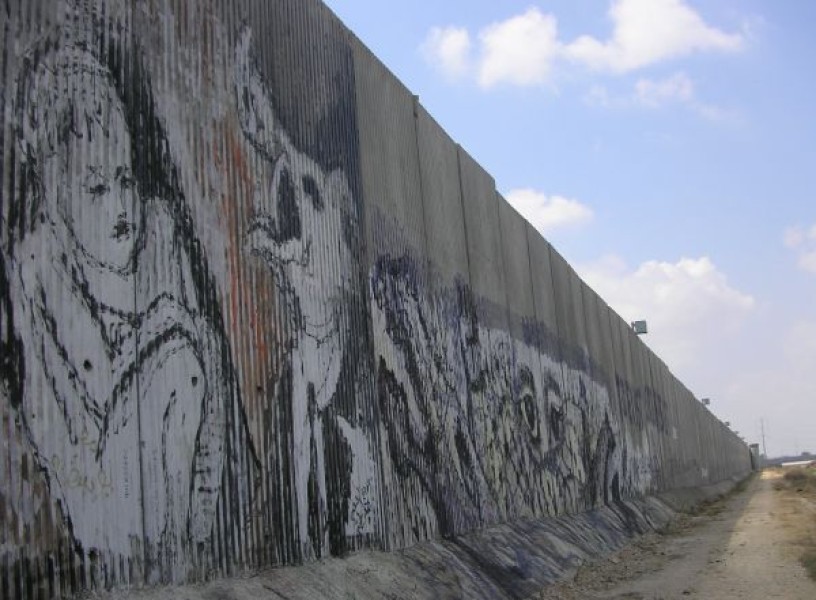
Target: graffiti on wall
(483,426)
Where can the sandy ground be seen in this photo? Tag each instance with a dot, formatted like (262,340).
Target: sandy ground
(746,546)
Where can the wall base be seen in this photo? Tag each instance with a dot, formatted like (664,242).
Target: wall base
(508,561)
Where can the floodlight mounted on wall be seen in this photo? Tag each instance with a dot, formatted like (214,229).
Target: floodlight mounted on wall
(640,327)
(705,401)
(727,423)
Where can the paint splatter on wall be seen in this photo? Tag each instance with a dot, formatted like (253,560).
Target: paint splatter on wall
(218,354)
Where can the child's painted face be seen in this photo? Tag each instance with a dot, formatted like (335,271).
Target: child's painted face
(92,181)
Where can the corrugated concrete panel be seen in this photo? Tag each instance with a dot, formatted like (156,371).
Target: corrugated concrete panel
(643,399)
(396,244)
(528,388)
(490,350)
(442,201)
(629,445)
(599,396)
(481,209)
(669,449)
(662,415)
(607,343)
(637,468)
(603,349)
(624,336)
(672,405)
(598,342)
(568,310)
(389,159)
(288,171)
(543,292)
(687,414)
(516,267)
(545,333)
(692,416)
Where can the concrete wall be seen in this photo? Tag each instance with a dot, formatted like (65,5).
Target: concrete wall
(258,308)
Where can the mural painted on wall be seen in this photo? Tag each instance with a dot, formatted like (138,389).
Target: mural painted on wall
(304,226)
(206,364)
(122,378)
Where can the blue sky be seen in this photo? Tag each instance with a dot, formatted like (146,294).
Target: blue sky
(667,148)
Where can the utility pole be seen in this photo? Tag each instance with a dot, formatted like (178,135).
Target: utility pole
(764,447)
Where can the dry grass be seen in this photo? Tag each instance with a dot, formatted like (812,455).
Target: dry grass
(799,484)
(714,506)
(797,479)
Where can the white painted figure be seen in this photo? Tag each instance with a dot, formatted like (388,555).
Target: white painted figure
(117,348)
(301,216)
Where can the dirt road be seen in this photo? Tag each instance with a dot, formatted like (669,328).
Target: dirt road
(747,546)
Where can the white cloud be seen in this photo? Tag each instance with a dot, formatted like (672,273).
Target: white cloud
(794,237)
(807,261)
(524,49)
(718,114)
(519,51)
(780,388)
(448,49)
(646,32)
(676,88)
(547,213)
(799,344)
(803,241)
(599,96)
(689,305)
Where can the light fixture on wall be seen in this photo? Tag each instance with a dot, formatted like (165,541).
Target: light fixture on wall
(705,401)
(640,327)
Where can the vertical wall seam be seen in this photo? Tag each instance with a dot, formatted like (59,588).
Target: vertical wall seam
(421,182)
(464,220)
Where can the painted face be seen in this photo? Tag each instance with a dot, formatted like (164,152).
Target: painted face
(93,183)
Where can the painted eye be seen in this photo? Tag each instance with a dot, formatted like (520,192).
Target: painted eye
(98,189)
(289,225)
(125,178)
(95,183)
(529,407)
(311,190)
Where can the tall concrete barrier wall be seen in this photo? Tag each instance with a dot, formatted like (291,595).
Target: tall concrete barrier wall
(258,309)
